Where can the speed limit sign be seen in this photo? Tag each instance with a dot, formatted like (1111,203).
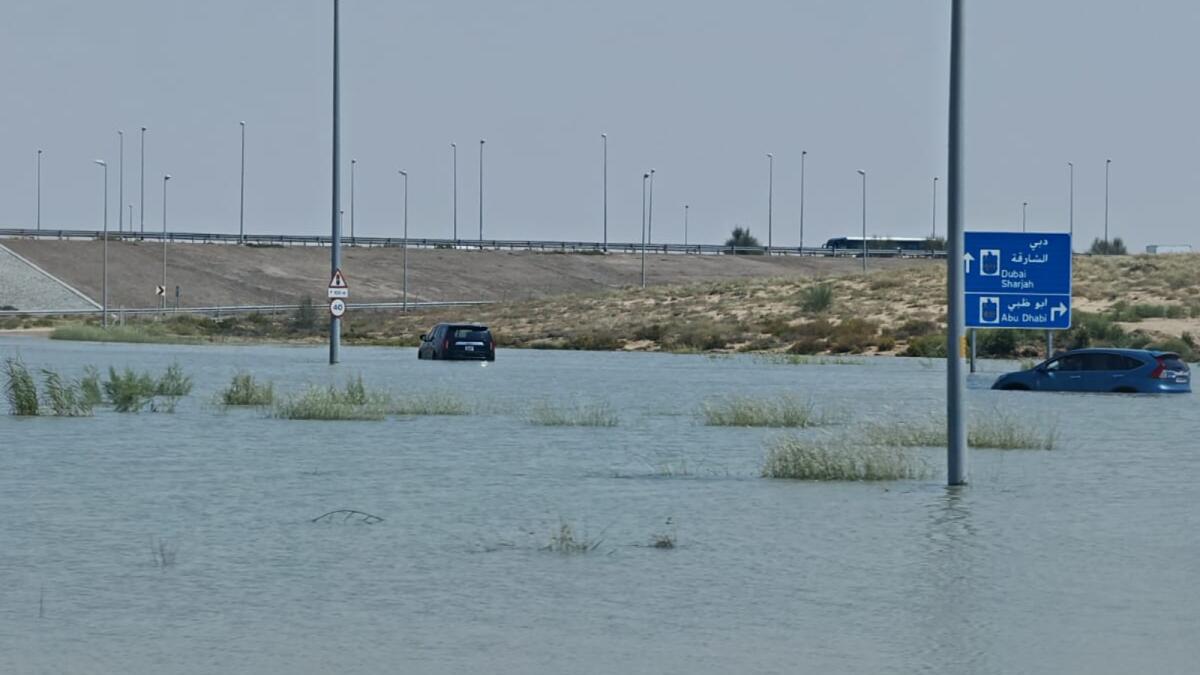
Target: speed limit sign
(337,307)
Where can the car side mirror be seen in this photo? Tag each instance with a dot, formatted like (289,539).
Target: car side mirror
(424,338)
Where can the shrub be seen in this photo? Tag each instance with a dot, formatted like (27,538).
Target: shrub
(840,459)
(915,328)
(1112,247)
(89,387)
(243,390)
(173,383)
(816,298)
(305,318)
(927,346)
(65,399)
(853,335)
(20,390)
(129,391)
(598,414)
(743,239)
(430,403)
(653,332)
(744,411)
(996,343)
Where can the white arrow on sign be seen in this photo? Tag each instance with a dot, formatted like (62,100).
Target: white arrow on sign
(968,259)
(1058,311)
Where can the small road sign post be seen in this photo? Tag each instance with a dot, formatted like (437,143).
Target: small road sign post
(1018,280)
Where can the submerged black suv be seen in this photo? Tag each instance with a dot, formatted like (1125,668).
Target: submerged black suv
(458,341)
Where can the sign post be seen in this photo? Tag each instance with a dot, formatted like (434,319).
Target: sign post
(1018,280)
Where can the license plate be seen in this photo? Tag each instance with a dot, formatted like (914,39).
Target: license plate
(470,348)
(1181,379)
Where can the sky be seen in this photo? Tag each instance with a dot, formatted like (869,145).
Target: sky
(698,90)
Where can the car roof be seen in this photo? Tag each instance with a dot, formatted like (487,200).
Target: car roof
(1119,350)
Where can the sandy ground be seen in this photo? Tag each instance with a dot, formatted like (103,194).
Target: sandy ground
(210,274)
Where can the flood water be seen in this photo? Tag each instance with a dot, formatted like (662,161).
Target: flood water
(1083,559)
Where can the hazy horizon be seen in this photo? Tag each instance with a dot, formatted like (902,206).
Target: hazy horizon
(698,91)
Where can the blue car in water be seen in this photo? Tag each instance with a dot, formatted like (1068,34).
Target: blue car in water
(1131,371)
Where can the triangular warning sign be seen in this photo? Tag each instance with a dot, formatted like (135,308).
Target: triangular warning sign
(338,281)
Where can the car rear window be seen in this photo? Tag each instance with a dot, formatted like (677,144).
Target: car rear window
(471,334)
(1173,362)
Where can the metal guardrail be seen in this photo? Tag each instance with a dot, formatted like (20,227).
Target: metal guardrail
(593,247)
(235,309)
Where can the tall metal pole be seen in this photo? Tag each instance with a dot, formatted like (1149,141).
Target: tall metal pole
(142,190)
(770,199)
(933,229)
(242,202)
(39,189)
(454,212)
(481,142)
(645,177)
(335,262)
(163,302)
(685,225)
(803,155)
(604,142)
(353,164)
(864,219)
(1071,200)
(956,428)
(104,265)
(650,212)
(121,182)
(1024,214)
(1107,164)
(404,255)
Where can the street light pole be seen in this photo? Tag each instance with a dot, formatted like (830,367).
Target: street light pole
(39,189)
(933,229)
(481,142)
(454,191)
(104,265)
(864,219)
(163,302)
(685,225)
(650,211)
(335,323)
(1071,202)
(803,155)
(645,177)
(604,142)
(1024,213)
(121,182)
(353,164)
(142,189)
(1107,164)
(242,202)
(770,199)
(404,255)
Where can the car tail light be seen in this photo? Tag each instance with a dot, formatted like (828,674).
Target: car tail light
(446,344)
(1162,372)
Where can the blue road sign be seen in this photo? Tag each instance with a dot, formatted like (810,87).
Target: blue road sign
(1018,280)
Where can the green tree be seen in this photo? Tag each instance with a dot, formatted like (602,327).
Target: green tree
(742,239)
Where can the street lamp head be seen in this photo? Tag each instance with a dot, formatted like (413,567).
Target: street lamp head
(862,173)
(166,178)
(1108,161)
(100,162)
(481,141)
(403,173)
(39,151)
(454,145)
(770,155)
(143,128)
(603,135)
(645,176)
(120,133)
(354,161)
(243,123)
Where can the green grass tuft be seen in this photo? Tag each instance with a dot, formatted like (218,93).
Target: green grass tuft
(745,411)
(139,333)
(244,390)
(994,430)
(65,398)
(20,389)
(354,402)
(597,414)
(839,459)
(816,298)
(129,391)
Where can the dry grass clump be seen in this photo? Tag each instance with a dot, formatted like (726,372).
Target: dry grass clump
(995,430)
(593,414)
(564,540)
(20,388)
(136,333)
(430,403)
(746,411)
(839,459)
